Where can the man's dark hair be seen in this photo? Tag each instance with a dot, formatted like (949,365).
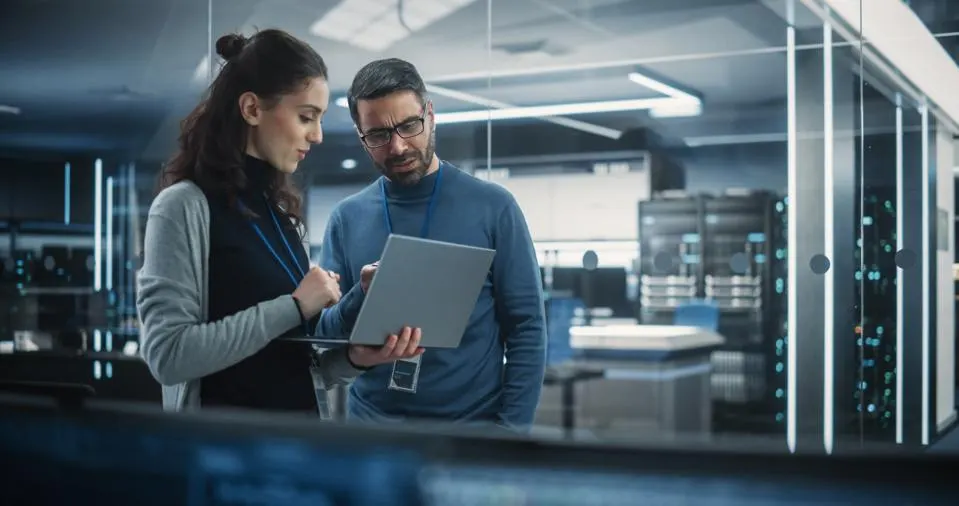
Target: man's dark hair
(382,77)
(212,141)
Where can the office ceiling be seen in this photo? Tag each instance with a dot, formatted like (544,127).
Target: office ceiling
(118,75)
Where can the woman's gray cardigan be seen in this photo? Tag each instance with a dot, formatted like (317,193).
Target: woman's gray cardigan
(176,341)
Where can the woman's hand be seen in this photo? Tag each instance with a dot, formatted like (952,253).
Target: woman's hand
(404,345)
(319,289)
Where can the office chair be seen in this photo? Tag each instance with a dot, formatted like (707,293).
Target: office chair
(698,313)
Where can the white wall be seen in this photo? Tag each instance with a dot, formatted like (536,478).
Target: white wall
(581,207)
(945,402)
(567,214)
(558,207)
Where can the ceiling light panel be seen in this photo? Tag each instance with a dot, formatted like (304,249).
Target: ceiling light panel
(375,25)
(419,14)
(350,17)
(380,33)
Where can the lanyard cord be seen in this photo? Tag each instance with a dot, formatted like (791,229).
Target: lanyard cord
(425,230)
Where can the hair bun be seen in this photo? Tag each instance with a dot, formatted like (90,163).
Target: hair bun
(230,45)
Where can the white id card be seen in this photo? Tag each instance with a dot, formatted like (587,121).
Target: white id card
(322,395)
(406,374)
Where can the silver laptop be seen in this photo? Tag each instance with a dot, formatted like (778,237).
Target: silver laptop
(420,283)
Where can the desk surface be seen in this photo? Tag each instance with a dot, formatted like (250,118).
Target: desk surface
(662,338)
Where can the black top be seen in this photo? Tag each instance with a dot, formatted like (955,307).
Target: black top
(244,273)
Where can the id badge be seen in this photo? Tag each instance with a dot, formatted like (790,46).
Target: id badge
(322,395)
(406,374)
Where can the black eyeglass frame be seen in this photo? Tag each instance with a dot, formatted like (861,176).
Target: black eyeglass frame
(419,126)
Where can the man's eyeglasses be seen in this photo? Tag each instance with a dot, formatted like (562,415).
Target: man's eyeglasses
(382,137)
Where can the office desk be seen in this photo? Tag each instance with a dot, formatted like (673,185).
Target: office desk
(632,380)
(111,375)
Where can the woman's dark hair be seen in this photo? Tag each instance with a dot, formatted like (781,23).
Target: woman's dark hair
(213,137)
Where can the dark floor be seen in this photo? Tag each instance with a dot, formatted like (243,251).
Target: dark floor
(949,443)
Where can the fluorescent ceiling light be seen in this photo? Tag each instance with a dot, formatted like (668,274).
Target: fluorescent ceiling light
(548,113)
(9,109)
(680,109)
(676,103)
(683,104)
(658,86)
(609,133)
(541,111)
(375,25)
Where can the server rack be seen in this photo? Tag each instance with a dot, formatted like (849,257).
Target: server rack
(744,274)
(670,267)
(49,298)
(729,250)
(874,397)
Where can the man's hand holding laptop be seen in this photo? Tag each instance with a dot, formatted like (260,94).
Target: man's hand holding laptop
(404,345)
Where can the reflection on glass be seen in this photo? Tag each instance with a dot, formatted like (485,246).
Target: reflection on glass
(69,219)
(653,134)
(666,155)
(890,162)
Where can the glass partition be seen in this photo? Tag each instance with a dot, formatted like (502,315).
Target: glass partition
(652,139)
(879,297)
(84,90)
(906,201)
(742,195)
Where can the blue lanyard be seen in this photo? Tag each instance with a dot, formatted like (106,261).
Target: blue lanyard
(279,229)
(425,231)
(273,252)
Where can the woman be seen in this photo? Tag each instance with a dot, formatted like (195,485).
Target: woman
(225,272)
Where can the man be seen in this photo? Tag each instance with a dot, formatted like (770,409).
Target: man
(422,196)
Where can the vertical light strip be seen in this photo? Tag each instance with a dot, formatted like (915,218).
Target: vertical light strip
(131,217)
(209,41)
(862,230)
(109,245)
(924,110)
(121,234)
(792,236)
(66,193)
(900,328)
(489,86)
(97,224)
(829,247)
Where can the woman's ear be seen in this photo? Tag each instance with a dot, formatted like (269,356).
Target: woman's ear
(250,108)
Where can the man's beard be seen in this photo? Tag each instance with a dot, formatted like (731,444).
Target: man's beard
(421,164)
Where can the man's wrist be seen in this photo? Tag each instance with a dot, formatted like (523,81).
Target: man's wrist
(353,362)
(352,302)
